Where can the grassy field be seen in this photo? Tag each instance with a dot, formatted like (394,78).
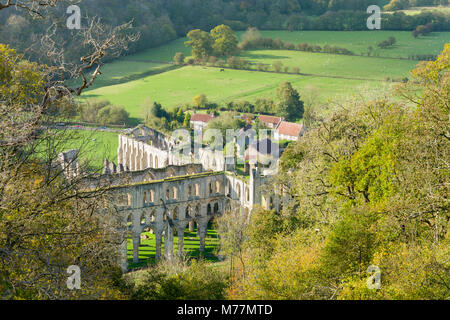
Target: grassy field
(334,65)
(147,249)
(357,41)
(94,146)
(150,76)
(120,72)
(180,86)
(417,10)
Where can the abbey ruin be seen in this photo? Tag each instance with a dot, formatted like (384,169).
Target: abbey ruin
(156,189)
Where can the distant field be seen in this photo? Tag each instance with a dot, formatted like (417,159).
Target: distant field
(150,76)
(181,85)
(357,41)
(417,10)
(121,71)
(335,65)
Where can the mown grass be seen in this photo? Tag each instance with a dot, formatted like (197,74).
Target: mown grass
(334,65)
(359,41)
(147,249)
(150,76)
(94,146)
(182,85)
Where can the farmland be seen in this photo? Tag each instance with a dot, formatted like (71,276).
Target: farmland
(137,80)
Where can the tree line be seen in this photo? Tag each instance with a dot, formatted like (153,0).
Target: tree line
(159,22)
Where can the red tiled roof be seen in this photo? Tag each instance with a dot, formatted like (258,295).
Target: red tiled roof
(290,129)
(201,117)
(269,119)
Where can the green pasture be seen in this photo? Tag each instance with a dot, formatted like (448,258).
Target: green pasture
(121,71)
(93,146)
(359,41)
(147,249)
(149,75)
(417,10)
(334,65)
(182,85)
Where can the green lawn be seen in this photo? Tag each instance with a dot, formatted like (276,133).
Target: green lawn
(147,249)
(334,65)
(181,85)
(359,41)
(124,71)
(150,76)
(94,146)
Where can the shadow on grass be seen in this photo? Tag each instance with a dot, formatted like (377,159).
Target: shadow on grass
(110,82)
(147,249)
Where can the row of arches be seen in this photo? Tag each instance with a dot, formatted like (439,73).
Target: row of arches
(238,191)
(192,211)
(136,159)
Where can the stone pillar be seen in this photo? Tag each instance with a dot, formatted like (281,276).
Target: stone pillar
(168,242)
(136,241)
(181,240)
(191,226)
(158,239)
(123,261)
(202,227)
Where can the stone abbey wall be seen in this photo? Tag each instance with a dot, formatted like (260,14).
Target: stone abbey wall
(154,190)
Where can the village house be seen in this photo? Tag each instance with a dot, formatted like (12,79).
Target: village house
(270,121)
(289,131)
(200,121)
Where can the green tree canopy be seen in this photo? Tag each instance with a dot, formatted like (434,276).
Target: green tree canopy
(289,104)
(201,43)
(225,40)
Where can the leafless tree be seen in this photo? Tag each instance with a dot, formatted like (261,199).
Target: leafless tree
(48,222)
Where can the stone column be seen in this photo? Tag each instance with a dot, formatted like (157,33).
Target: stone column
(202,228)
(123,261)
(180,232)
(136,241)
(168,242)
(191,225)
(158,238)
